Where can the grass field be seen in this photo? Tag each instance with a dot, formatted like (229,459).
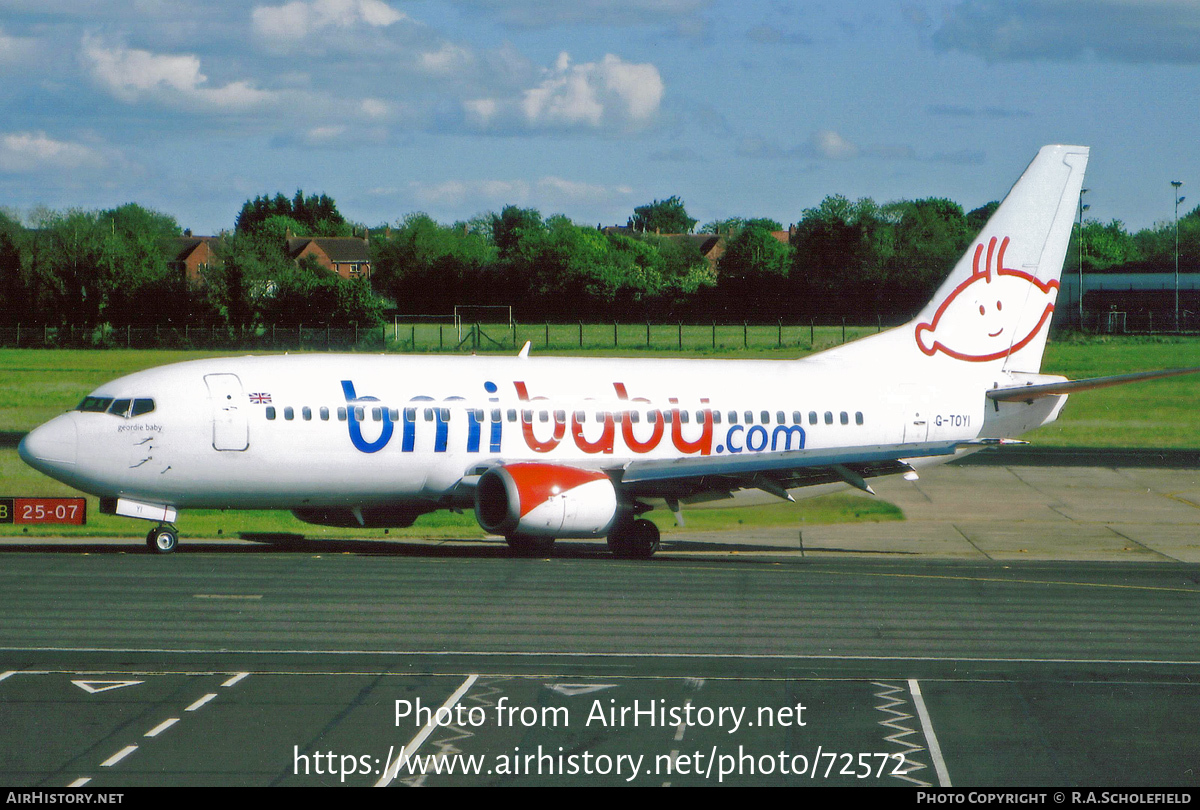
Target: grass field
(36,385)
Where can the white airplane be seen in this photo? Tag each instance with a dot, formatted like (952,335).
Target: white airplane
(545,448)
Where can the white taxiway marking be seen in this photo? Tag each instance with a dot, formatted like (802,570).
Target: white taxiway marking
(6,675)
(236,678)
(161,727)
(80,782)
(201,702)
(935,750)
(576,689)
(96,687)
(117,757)
(393,769)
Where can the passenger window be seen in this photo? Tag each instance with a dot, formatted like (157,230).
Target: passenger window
(580,417)
(141,406)
(733,417)
(683,417)
(858,418)
(324,414)
(410,414)
(270,412)
(495,414)
(306,413)
(512,415)
(429,414)
(716,416)
(635,416)
(766,417)
(780,418)
(341,414)
(289,414)
(812,417)
(543,416)
(796,418)
(845,418)
(394,415)
(560,416)
(749,417)
(829,417)
(652,417)
(527,416)
(377,414)
(360,414)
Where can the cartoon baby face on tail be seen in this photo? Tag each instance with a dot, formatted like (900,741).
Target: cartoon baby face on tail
(992,313)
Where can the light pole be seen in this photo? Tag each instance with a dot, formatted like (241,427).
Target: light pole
(1081,209)
(1178,200)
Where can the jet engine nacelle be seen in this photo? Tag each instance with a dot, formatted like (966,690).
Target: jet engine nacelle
(545,500)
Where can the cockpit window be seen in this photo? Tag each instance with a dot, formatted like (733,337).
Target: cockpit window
(117,407)
(94,404)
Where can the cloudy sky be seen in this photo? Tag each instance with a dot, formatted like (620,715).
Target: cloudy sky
(590,107)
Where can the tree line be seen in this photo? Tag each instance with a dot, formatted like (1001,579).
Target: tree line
(857,260)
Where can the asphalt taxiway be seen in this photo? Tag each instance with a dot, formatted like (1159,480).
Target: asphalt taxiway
(1024,626)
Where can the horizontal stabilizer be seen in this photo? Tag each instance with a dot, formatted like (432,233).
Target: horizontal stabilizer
(1027,393)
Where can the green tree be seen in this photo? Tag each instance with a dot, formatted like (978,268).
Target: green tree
(314,215)
(17,292)
(428,268)
(512,224)
(928,237)
(839,264)
(752,272)
(662,216)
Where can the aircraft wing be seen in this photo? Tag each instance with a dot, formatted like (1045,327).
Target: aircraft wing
(711,478)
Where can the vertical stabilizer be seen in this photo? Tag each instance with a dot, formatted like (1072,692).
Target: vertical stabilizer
(995,307)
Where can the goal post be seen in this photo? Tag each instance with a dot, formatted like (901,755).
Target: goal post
(481,313)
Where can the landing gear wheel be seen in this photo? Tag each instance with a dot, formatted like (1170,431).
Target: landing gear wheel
(634,541)
(162,539)
(529,546)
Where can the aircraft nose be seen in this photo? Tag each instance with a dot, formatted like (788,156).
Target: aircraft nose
(52,445)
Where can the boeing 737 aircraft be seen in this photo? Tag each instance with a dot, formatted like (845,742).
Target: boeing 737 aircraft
(545,448)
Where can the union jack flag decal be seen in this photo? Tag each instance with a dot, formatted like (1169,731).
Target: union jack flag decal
(260,399)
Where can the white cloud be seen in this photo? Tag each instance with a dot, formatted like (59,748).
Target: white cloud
(831,145)
(16,50)
(133,75)
(26,152)
(290,24)
(445,60)
(611,94)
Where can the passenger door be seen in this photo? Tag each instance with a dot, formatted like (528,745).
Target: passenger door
(231,429)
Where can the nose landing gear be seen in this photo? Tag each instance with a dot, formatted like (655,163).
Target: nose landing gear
(162,539)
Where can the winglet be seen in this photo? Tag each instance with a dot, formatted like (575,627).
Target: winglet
(525,349)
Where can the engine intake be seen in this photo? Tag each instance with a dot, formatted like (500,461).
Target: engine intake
(545,500)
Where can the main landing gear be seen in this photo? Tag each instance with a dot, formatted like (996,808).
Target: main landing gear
(634,540)
(162,539)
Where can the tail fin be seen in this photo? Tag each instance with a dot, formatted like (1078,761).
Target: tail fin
(996,305)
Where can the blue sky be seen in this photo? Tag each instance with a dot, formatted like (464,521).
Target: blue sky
(590,107)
